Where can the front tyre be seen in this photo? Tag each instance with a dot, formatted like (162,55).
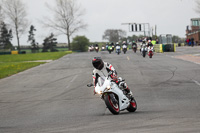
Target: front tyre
(111,103)
(144,54)
(133,106)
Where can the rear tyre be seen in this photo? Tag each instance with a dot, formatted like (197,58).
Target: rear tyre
(133,106)
(111,105)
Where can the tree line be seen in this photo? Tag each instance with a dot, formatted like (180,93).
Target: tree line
(66,20)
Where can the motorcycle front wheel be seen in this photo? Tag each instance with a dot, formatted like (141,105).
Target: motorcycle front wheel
(144,53)
(133,106)
(112,103)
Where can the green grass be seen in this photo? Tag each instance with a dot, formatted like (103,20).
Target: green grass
(12,64)
(8,69)
(40,50)
(33,57)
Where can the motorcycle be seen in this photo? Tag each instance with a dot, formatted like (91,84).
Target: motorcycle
(150,51)
(124,48)
(114,97)
(113,47)
(90,48)
(110,49)
(134,47)
(102,48)
(118,49)
(144,50)
(97,49)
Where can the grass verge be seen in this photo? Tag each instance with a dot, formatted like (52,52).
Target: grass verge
(12,64)
(8,69)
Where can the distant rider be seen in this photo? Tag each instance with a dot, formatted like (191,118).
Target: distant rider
(124,43)
(149,44)
(101,71)
(134,44)
(142,45)
(96,45)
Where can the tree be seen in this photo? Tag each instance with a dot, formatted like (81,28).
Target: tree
(31,39)
(1,15)
(67,18)
(80,43)
(176,39)
(197,9)
(15,13)
(49,43)
(5,37)
(113,35)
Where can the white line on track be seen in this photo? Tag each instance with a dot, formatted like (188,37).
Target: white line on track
(196,82)
(73,78)
(128,58)
(72,81)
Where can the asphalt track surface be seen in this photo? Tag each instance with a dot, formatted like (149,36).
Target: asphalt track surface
(53,97)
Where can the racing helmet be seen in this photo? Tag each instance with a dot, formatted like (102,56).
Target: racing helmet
(98,63)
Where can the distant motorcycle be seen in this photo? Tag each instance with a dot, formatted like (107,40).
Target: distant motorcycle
(124,48)
(134,47)
(90,48)
(113,47)
(103,48)
(97,49)
(143,50)
(150,51)
(110,49)
(118,49)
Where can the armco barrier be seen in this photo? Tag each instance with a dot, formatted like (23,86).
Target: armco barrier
(169,47)
(5,53)
(158,48)
(179,44)
(14,52)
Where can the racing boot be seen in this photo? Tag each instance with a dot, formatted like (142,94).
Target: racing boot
(129,94)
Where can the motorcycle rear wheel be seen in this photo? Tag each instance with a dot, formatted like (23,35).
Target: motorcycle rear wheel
(113,107)
(133,106)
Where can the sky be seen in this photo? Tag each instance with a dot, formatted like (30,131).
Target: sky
(170,17)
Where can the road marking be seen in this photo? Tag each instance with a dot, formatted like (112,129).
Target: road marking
(73,78)
(196,82)
(67,86)
(128,58)
(72,81)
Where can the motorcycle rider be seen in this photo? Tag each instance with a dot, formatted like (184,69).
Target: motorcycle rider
(101,71)
(117,44)
(134,44)
(149,44)
(124,43)
(143,44)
